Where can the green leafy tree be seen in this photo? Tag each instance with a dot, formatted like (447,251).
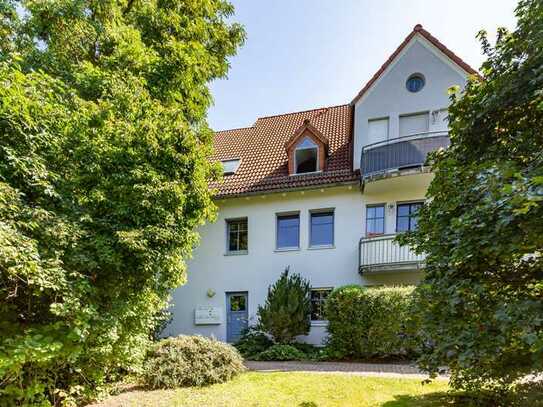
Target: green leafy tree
(287,311)
(104,170)
(481,301)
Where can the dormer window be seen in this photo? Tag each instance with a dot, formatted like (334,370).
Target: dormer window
(306,156)
(230,166)
(306,150)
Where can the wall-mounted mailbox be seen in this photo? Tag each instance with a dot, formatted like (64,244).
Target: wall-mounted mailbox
(207,315)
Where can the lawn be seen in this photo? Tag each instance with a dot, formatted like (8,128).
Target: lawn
(294,389)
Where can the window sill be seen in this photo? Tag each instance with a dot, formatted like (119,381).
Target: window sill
(238,253)
(287,249)
(322,247)
(319,323)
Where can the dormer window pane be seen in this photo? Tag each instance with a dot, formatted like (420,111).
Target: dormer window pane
(306,156)
(230,166)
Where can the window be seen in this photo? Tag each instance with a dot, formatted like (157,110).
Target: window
(306,156)
(375,220)
(377,130)
(415,83)
(237,235)
(230,167)
(288,231)
(321,229)
(414,124)
(318,298)
(406,216)
(238,303)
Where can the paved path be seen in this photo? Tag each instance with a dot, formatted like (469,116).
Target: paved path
(358,369)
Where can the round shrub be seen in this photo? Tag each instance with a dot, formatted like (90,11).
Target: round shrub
(370,322)
(281,352)
(191,361)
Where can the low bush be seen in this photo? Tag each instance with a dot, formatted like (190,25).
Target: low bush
(253,342)
(281,352)
(191,361)
(370,323)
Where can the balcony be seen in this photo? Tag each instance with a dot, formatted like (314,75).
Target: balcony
(400,154)
(382,254)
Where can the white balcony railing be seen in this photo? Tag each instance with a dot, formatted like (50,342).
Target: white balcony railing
(382,254)
(400,153)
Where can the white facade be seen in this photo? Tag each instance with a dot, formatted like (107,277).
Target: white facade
(212,268)
(389,98)
(213,272)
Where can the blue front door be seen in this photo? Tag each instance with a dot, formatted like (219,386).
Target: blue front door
(236,315)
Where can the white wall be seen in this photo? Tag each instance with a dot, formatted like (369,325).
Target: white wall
(388,97)
(210,268)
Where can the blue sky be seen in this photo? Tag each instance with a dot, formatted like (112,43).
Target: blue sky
(303,54)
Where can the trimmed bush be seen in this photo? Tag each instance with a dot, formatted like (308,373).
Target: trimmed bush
(191,361)
(370,322)
(281,352)
(253,342)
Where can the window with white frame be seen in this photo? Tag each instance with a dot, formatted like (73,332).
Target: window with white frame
(237,235)
(411,124)
(288,231)
(321,228)
(375,220)
(318,300)
(306,156)
(229,167)
(377,130)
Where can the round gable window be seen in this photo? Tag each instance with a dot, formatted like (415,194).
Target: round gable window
(415,82)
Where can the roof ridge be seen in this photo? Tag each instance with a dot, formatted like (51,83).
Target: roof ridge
(303,111)
(234,129)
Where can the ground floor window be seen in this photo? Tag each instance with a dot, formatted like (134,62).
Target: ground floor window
(407,216)
(318,299)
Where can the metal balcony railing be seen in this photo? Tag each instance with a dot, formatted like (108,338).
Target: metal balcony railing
(382,254)
(401,153)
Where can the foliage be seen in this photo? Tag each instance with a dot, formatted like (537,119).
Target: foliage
(281,352)
(103,179)
(369,322)
(286,313)
(191,361)
(481,302)
(161,320)
(253,342)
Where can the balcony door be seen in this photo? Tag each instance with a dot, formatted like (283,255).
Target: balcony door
(377,131)
(414,124)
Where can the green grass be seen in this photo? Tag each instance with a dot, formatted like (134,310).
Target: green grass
(294,389)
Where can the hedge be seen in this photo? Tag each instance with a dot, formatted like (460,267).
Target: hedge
(371,322)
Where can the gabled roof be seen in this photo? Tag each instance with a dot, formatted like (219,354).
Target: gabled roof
(309,127)
(417,30)
(264,163)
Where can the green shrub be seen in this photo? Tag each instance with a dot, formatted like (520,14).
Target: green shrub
(370,322)
(286,313)
(253,342)
(281,352)
(191,361)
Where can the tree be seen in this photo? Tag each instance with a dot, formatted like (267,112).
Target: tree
(104,170)
(481,301)
(286,313)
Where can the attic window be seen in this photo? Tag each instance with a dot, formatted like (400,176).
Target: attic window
(306,156)
(230,166)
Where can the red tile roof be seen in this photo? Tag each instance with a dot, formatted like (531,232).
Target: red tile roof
(433,40)
(261,148)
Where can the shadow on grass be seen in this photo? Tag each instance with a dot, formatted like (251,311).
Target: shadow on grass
(526,395)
